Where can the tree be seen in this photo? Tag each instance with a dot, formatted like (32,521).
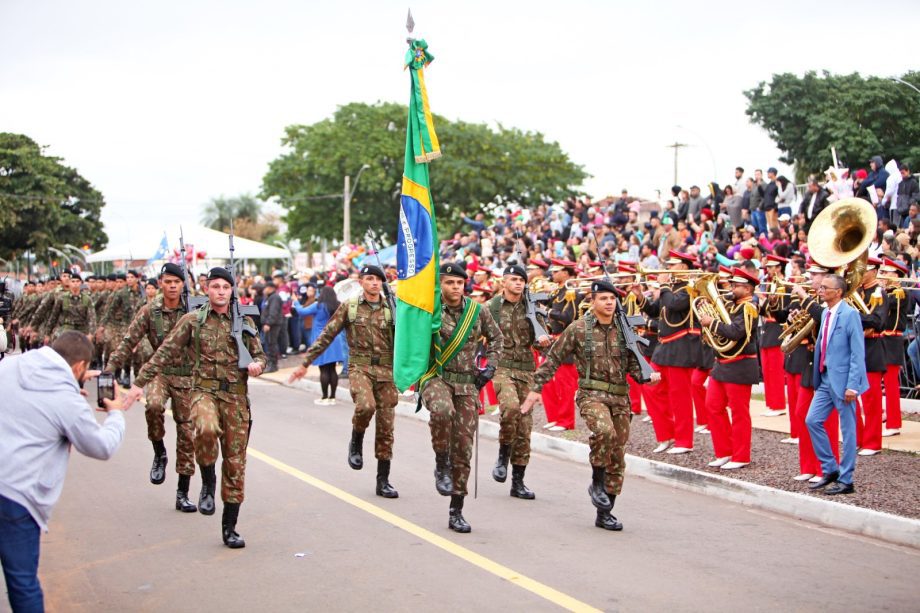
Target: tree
(479,166)
(44,203)
(861,117)
(220,210)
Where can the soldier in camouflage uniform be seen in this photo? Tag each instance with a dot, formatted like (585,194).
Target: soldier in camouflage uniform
(100,294)
(73,310)
(220,405)
(451,393)
(153,323)
(513,379)
(59,286)
(368,325)
(602,361)
(120,309)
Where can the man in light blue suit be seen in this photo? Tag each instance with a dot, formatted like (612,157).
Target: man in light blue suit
(840,377)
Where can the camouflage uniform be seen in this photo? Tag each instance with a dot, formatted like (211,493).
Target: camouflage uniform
(100,299)
(120,309)
(71,312)
(603,395)
(220,406)
(42,312)
(174,381)
(369,331)
(452,397)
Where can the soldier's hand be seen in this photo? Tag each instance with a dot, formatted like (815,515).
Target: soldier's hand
(130,397)
(544,341)
(254,369)
(655,379)
(531,400)
(299,373)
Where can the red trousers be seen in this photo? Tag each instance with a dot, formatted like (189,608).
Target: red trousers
(869,433)
(635,395)
(792,393)
(893,396)
(698,390)
(487,397)
(730,438)
(808,461)
(657,403)
(771,361)
(559,396)
(681,403)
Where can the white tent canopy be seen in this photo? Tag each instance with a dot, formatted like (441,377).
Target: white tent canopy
(146,245)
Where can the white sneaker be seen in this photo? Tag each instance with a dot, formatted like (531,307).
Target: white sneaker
(773,413)
(719,462)
(556,429)
(803,477)
(891,431)
(646,420)
(790,441)
(868,452)
(699,429)
(678,450)
(329,401)
(662,446)
(319,401)
(815,479)
(734,465)
(705,430)
(549,425)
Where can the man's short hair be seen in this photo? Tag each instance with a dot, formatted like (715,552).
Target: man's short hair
(904,166)
(74,347)
(839,282)
(739,169)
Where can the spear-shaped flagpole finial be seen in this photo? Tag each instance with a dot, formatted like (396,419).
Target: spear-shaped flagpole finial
(410,23)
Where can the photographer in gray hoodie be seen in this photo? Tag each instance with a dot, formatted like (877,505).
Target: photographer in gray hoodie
(43,414)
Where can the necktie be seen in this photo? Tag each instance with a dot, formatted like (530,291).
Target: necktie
(827,325)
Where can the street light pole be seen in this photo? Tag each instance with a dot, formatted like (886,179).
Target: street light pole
(347,196)
(903,82)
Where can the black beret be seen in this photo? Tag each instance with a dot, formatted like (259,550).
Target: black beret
(269,284)
(370,269)
(452,269)
(515,269)
(219,272)
(152,283)
(132,272)
(111,276)
(172,269)
(120,276)
(602,285)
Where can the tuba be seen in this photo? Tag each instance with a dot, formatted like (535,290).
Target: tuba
(708,300)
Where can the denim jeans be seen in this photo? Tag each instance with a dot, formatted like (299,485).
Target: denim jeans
(759,219)
(295,324)
(19,543)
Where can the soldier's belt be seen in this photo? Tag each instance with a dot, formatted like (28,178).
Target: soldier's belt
(221,385)
(179,371)
(368,360)
(527,365)
(456,378)
(603,386)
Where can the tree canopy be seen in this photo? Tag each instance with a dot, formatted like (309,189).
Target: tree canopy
(479,166)
(246,212)
(44,203)
(861,117)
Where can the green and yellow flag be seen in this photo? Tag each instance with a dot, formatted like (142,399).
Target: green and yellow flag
(418,307)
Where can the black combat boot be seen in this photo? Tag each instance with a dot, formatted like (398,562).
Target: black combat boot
(598,491)
(442,480)
(356,450)
(228,526)
(158,470)
(607,521)
(500,472)
(182,502)
(456,521)
(383,480)
(208,487)
(518,489)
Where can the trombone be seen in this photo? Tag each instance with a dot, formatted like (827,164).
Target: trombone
(584,283)
(900,281)
(677,273)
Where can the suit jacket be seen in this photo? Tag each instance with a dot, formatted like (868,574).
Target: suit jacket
(820,204)
(846,355)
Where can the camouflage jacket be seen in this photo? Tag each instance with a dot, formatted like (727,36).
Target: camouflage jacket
(464,363)
(210,344)
(24,306)
(154,322)
(517,335)
(610,363)
(100,298)
(71,313)
(43,309)
(120,308)
(369,333)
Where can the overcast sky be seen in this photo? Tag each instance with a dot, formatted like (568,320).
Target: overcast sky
(163,105)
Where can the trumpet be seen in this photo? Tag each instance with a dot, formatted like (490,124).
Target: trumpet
(644,272)
(584,283)
(900,281)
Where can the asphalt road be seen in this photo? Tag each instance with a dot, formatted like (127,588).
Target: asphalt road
(318,538)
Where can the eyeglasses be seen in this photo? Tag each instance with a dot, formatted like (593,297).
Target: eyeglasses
(827,288)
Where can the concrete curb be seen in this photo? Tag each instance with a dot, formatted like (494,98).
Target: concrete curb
(858,520)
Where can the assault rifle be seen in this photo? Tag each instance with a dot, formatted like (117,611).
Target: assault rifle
(237,313)
(530,300)
(387,290)
(627,324)
(192,303)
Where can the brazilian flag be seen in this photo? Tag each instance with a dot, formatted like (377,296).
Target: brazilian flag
(418,307)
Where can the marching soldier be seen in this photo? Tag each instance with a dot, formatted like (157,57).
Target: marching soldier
(368,325)
(73,310)
(733,374)
(38,324)
(104,288)
(559,393)
(771,356)
(219,395)
(154,322)
(875,298)
(893,340)
(513,379)
(120,309)
(602,362)
(451,386)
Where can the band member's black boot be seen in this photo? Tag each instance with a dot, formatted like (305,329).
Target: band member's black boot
(208,487)
(598,491)
(518,489)
(356,450)
(182,502)
(383,480)
(442,480)
(158,470)
(228,526)
(456,522)
(500,472)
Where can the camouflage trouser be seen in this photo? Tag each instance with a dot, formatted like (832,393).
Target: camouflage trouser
(453,425)
(161,389)
(608,417)
(112,337)
(373,395)
(225,418)
(511,387)
(143,353)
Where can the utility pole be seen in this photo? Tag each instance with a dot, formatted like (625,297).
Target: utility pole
(346,230)
(676,147)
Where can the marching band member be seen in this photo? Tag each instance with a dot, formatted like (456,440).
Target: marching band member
(869,409)
(771,356)
(893,340)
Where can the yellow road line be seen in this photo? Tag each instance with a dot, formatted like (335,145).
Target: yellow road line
(543,591)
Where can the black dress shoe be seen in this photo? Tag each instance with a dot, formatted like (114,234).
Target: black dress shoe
(839,488)
(825,481)
(607,521)
(500,471)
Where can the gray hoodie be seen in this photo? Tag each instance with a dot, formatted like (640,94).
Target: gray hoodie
(41,414)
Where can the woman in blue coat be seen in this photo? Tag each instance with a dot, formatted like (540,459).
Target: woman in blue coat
(337,351)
